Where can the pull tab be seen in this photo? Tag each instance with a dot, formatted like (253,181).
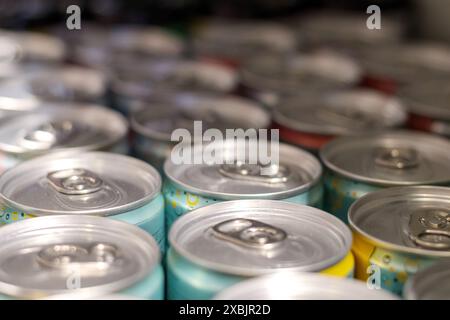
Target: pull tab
(249,233)
(75,181)
(430,229)
(397,158)
(100,256)
(48,135)
(252,172)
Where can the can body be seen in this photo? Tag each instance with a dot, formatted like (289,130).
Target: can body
(178,202)
(387,268)
(149,217)
(183,285)
(427,124)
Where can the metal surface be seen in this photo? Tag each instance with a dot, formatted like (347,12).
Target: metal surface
(94,183)
(261,236)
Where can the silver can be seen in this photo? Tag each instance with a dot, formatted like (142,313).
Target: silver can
(57,127)
(80,255)
(89,183)
(154,122)
(266,78)
(222,244)
(302,286)
(430,283)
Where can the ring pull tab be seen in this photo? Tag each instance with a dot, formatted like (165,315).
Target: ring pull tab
(48,135)
(256,172)
(249,233)
(75,181)
(100,256)
(397,158)
(430,229)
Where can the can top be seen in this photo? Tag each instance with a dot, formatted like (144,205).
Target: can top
(146,79)
(253,237)
(42,257)
(159,118)
(406,219)
(340,112)
(430,99)
(237,176)
(289,74)
(391,158)
(302,286)
(61,127)
(430,283)
(71,183)
(35,46)
(62,84)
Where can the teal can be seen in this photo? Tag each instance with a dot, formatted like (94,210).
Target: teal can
(92,183)
(296,178)
(225,243)
(359,165)
(79,255)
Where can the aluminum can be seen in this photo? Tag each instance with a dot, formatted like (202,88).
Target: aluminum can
(399,231)
(267,78)
(153,123)
(302,286)
(80,255)
(296,178)
(311,120)
(217,246)
(58,127)
(90,183)
(430,283)
(359,165)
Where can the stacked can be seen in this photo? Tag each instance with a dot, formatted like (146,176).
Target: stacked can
(153,123)
(90,183)
(359,165)
(53,127)
(430,283)
(302,286)
(83,255)
(267,78)
(311,120)
(296,178)
(398,231)
(217,246)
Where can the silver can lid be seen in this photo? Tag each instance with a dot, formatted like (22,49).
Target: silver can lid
(147,79)
(407,219)
(290,74)
(62,127)
(159,118)
(302,286)
(60,254)
(253,237)
(94,183)
(391,158)
(237,177)
(63,84)
(340,112)
(430,283)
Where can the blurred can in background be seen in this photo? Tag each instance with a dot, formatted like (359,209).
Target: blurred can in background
(398,231)
(91,183)
(152,80)
(154,122)
(301,286)
(225,243)
(266,78)
(310,120)
(366,163)
(78,255)
(56,127)
(296,178)
(430,283)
